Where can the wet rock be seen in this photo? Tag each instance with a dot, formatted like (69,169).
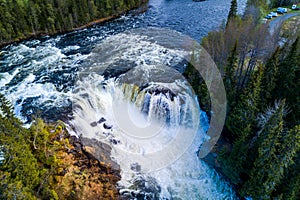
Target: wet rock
(107,126)
(118,68)
(102,119)
(93,124)
(101,152)
(135,167)
(165,91)
(114,141)
(106,134)
(144,86)
(143,187)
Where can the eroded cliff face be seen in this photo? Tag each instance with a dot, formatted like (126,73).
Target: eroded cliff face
(86,171)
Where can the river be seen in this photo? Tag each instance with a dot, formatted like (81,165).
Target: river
(77,77)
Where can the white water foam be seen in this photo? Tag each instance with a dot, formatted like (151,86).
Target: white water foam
(178,173)
(186,178)
(30,76)
(6,77)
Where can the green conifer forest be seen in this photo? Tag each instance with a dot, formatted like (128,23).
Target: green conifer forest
(22,19)
(262,126)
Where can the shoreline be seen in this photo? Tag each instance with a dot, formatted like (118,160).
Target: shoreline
(137,10)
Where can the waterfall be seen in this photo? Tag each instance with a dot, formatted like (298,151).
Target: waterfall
(149,115)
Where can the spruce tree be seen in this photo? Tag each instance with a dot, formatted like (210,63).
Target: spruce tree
(276,150)
(288,82)
(229,79)
(270,76)
(19,169)
(241,123)
(232,12)
(244,113)
(289,187)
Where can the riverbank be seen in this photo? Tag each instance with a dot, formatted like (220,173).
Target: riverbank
(141,7)
(46,162)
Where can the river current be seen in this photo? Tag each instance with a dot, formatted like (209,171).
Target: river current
(77,78)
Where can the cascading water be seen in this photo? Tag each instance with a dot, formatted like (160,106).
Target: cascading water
(149,114)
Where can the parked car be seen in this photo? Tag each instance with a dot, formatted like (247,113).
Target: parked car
(264,21)
(269,16)
(274,14)
(281,10)
(295,7)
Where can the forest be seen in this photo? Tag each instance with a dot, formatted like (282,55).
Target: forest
(262,81)
(21,19)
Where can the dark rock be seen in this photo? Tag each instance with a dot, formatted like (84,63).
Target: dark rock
(165,91)
(93,124)
(107,126)
(135,167)
(143,187)
(144,86)
(118,68)
(106,134)
(101,120)
(114,141)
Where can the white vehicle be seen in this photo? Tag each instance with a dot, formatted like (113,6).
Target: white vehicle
(281,10)
(294,7)
(285,10)
(274,14)
(264,21)
(269,16)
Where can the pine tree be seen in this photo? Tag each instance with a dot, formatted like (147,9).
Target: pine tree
(276,150)
(288,82)
(270,76)
(233,162)
(289,187)
(233,11)
(244,113)
(19,167)
(198,84)
(229,79)
(241,123)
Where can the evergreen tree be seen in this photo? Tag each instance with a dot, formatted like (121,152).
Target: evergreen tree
(276,150)
(19,167)
(229,79)
(233,11)
(241,124)
(198,84)
(244,113)
(270,76)
(289,187)
(233,162)
(288,82)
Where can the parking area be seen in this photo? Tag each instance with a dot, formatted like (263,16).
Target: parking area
(280,11)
